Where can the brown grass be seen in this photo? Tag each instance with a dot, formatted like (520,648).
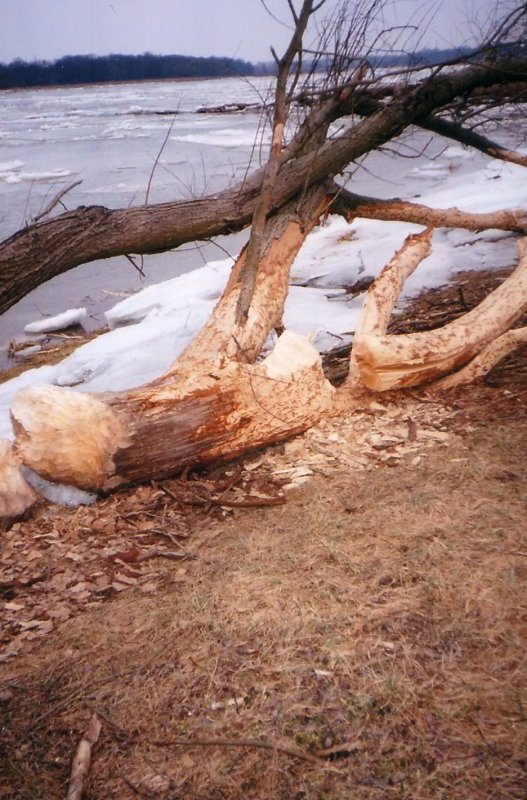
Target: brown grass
(377,622)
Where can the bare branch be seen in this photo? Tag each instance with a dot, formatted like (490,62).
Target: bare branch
(151,176)
(354,205)
(263,203)
(56,200)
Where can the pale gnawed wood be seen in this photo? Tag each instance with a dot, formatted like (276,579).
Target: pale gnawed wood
(16,496)
(385,290)
(224,337)
(390,362)
(382,296)
(491,355)
(66,436)
(158,429)
(80,767)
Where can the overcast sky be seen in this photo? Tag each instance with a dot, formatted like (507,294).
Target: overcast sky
(48,29)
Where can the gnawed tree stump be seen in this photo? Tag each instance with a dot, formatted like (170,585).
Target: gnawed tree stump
(216,401)
(214,405)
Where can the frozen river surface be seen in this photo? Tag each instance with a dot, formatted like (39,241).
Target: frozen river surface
(110,137)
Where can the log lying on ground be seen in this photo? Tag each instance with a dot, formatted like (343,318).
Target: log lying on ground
(390,362)
(103,442)
(213,403)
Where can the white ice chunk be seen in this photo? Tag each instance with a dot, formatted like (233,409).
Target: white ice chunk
(57,323)
(58,493)
(457,152)
(36,177)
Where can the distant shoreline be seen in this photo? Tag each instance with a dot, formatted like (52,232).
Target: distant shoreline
(48,86)
(88,70)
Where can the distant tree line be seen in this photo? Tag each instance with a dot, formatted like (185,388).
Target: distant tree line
(100,69)
(116,67)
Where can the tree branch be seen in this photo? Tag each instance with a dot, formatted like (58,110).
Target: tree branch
(351,205)
(263,203)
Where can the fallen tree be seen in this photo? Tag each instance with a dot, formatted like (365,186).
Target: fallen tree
(218,399)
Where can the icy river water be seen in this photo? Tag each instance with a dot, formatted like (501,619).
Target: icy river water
(109,137)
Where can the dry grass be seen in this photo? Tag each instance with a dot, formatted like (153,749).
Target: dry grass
(377,622)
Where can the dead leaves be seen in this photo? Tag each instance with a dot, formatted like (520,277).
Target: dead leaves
(61,562)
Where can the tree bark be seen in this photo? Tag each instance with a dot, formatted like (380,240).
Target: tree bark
(396,210)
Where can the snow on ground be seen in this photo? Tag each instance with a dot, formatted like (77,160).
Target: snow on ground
(150,329)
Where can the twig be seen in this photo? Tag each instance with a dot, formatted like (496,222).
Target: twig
(155,552)
(249,502)
(138,267)
(135,789)
(343,748)
(165,140)
(173,537)
(81,761)
(56,200)
(256,743)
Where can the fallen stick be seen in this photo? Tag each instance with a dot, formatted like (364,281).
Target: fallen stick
(250,743)
(81,761)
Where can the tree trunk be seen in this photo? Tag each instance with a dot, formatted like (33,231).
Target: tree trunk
(212,404)
(16,497)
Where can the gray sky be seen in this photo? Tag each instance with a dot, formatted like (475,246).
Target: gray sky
(48,29)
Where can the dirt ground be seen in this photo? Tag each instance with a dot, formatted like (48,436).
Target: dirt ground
(361,634)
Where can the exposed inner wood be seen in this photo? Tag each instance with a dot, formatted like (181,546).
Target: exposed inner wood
(158,429)
(389,362)
(491,355)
